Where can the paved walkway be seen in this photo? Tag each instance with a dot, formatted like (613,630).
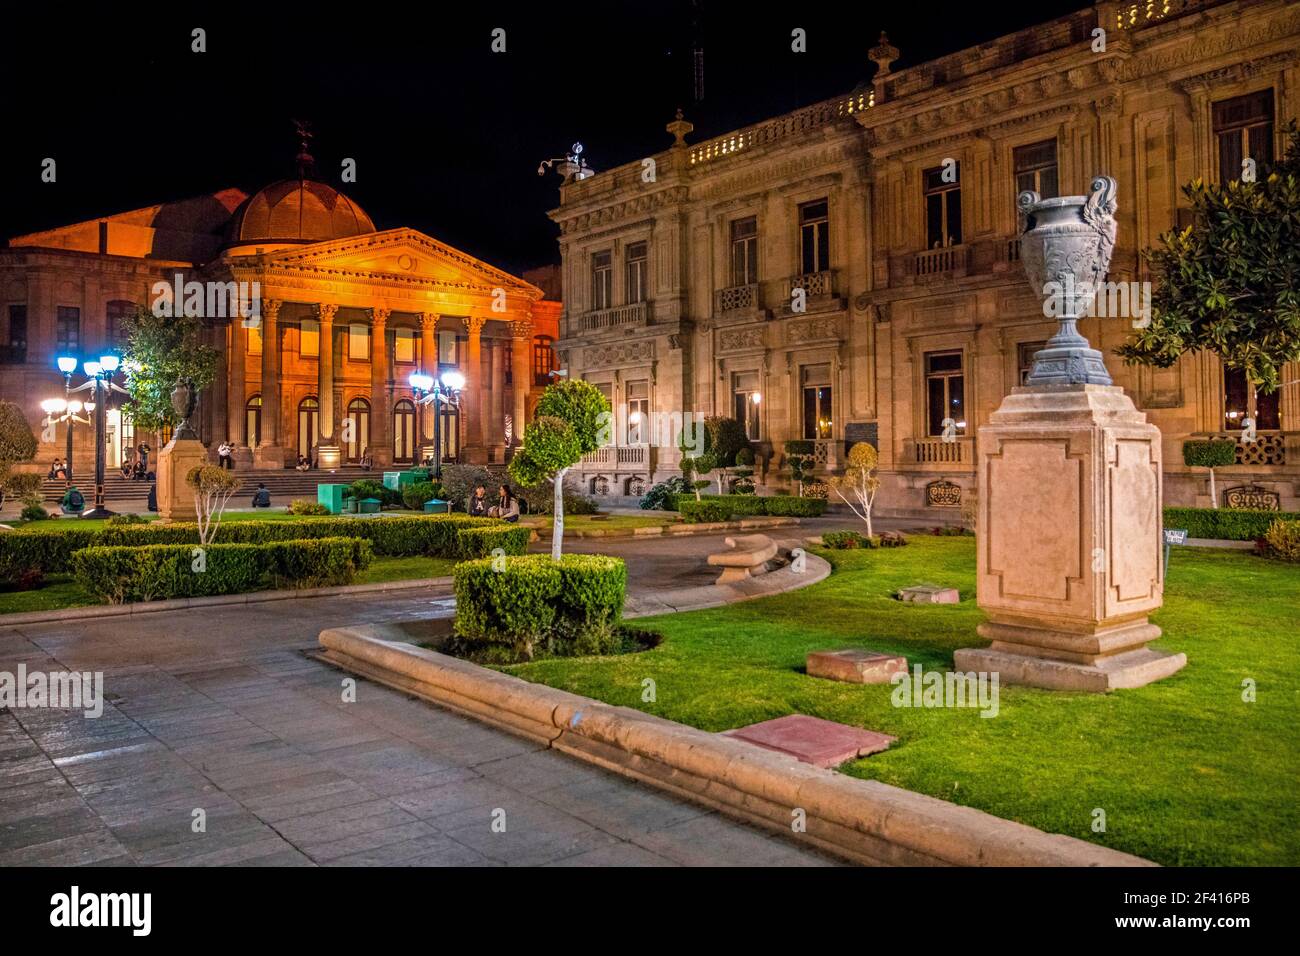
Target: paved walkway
(221,710)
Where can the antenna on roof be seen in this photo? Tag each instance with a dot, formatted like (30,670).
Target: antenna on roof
(306,162)
(697,52)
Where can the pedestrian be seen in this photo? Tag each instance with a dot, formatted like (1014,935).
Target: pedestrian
(224,452)
(478,502)
(261,497)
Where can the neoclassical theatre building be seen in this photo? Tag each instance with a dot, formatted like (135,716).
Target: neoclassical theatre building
(346,313)
(680,288)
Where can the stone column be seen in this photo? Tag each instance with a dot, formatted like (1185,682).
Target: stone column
(521,332)
(474,452)
(381,406)
(328,454)
(496,402)
(429,366)
(269,453)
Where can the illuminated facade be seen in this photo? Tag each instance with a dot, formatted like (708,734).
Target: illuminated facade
(850,271)
(345,314)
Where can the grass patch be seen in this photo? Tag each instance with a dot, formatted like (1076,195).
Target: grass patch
(1186,772)
(599,522)
(405,569)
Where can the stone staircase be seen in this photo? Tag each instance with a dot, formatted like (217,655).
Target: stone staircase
(284,484)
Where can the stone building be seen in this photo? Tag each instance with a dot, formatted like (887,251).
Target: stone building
(850,271)
(339,315)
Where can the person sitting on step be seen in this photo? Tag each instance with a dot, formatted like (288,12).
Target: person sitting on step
(262,496)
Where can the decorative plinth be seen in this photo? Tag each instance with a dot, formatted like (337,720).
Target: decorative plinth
(328,456)
(175,497)
(1068,548)
(855,665)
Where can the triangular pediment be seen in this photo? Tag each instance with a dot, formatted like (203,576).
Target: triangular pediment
(404,255)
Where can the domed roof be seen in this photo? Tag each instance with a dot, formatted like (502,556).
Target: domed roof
(297,211)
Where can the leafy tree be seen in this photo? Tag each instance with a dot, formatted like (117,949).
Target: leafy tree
(161,351)
(213,488)
(1211,454)
(726,438)
(17,444)
(572,421)
(859,483)
(1229,283)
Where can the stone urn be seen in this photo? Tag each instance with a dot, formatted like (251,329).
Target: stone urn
(1066,245)
(184,398)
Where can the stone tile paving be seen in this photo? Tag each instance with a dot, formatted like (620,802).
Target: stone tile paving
(222,710)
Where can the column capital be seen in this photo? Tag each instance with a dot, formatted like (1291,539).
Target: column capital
(427,321)
(325,312)
(379,316)
(271,309)
(521,328)
(474,324)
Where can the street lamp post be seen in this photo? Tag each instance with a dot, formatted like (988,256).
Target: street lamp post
(436,392)
(66,411)
(100,381)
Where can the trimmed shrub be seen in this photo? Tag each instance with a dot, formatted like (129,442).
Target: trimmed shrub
(747,505)
(664,496)
(698,512)
(305,506)
(118,521)
(479,542)
(845,540)
(1233,524)
(33,511)
(417,493)
(1282,540)
(459,482)
(1210,453)
(364,488)
(161,571)
(44,551)
(561,608)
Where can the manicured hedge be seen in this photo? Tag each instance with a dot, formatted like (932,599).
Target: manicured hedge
(1233,524)
(160,571)
(481,542)
(727,507)
(530,603)
(50,551)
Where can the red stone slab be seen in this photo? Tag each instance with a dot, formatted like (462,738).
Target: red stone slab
(855,665)
(822,743)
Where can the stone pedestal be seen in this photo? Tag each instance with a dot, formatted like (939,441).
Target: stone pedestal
(328,457)
(1069,546)
(175,497)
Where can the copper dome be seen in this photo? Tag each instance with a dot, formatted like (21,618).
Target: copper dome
(297,210)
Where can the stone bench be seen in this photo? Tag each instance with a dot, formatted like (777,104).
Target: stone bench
(748,556)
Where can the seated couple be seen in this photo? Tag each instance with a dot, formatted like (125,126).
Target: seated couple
(507,505)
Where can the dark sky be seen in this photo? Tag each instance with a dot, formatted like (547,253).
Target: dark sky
(447,135)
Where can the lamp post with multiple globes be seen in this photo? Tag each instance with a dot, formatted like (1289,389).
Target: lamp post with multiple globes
(60,410)
(99,374)
(444,390)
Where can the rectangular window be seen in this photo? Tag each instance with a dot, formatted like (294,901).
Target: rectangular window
(638,412)
(945,392)
(1241,400)
(67,330)
(636,272)
(817,409)
(255,338)
(943,206)
(814,237)
(1036,168)
(448,348)
(404,346)
(309,338)
(744,251)
(746,399)
(1243,128)
(1027,351)
(602,280)
(18,327)
(359,342)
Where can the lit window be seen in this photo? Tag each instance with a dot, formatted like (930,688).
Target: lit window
(602,281)
(309,338)
(744,251)
(1243,127)
(404,345)
(448,352)
(942,207)
(945,392)
(359,343)
(638,412)
(746,400)
(1242,399)
(818,419)
(814,237)
(255,339)
(636,272)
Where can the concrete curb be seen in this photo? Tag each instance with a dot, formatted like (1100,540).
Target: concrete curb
(174,604)
(703,527)
(715,595)
(863,821)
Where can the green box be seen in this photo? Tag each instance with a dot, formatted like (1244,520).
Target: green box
(391,479)
(331,496)
(370,506)
(397,480)
(437,506)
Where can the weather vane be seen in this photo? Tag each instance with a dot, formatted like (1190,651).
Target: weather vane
(571,166)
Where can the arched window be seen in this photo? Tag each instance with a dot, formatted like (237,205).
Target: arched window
(404,431)
(356,428)
(253,421)
(543,359)
(115,314)
(308,414)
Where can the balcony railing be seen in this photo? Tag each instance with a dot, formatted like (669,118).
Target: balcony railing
(813,283)
(1268,448)
(618,456)
(636,313)
(935,451)
(938,262)
(737,297)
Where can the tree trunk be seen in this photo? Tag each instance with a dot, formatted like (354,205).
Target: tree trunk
(867,515)
(1214,497)
(557,527)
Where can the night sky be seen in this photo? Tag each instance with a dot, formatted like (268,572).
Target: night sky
(447,135)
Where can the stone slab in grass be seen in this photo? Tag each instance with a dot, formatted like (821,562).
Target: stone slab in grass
(822,743)
(928,594)
(856,665)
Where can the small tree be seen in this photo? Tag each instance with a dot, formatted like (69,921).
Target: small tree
(161,351)
(572,421)
(17,445)
(726,439)
(859,483)
(801,457)
(744,472)
(213,488)
(1211,454)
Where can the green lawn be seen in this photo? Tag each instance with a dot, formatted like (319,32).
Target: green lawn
(1185,770)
